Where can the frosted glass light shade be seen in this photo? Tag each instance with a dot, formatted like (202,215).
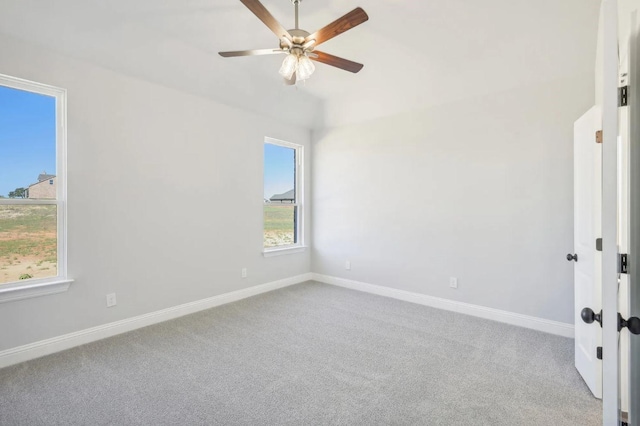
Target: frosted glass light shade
(289,66)
(305,68)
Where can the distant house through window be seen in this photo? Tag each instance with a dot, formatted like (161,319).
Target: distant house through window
(282,195)
(32,201)
(43,189)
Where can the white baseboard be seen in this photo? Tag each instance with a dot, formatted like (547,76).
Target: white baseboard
(45,347)
(67,341)
(540,324)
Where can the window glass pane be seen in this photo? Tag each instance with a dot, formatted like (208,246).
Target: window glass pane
(279,174)
(279,225)
(28,242)
(27,144)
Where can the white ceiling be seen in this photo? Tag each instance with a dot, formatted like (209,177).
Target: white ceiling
(416,53)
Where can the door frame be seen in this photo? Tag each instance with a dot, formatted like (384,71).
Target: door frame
(633,223)
(610,352)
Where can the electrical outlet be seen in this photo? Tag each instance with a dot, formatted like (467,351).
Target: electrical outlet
(347,265)
(111,300)
(244,272)
(453,282)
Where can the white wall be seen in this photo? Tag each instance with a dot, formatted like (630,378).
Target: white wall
(480,189)
(165,198)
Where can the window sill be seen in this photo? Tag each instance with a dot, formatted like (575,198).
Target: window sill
(11,292)
(283,251)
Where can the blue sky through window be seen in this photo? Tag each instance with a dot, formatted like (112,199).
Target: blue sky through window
(279,169)
(27,138)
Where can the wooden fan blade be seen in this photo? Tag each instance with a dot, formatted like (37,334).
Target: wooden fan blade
(335,61)
(263,14)
(254,52)
(352,19)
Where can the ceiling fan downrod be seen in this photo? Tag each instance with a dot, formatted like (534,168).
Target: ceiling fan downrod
(295,4)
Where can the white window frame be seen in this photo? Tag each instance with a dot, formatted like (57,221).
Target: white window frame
(299,195)
(60,283)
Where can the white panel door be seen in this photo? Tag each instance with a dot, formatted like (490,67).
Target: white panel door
(587,171)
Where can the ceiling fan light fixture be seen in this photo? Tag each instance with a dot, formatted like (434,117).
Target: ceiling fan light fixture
(292,81)
(289,66)
(305,68)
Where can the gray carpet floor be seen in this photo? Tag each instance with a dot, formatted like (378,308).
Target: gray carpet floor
(309,354)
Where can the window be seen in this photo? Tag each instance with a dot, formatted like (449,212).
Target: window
(282,211)
(32,188)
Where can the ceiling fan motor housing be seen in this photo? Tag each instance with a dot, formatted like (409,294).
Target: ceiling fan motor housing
(297,36)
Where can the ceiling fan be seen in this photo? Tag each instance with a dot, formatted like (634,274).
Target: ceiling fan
(299,45)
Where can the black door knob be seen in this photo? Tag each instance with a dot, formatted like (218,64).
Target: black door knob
(633,324)
(571,257)
(589,316)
